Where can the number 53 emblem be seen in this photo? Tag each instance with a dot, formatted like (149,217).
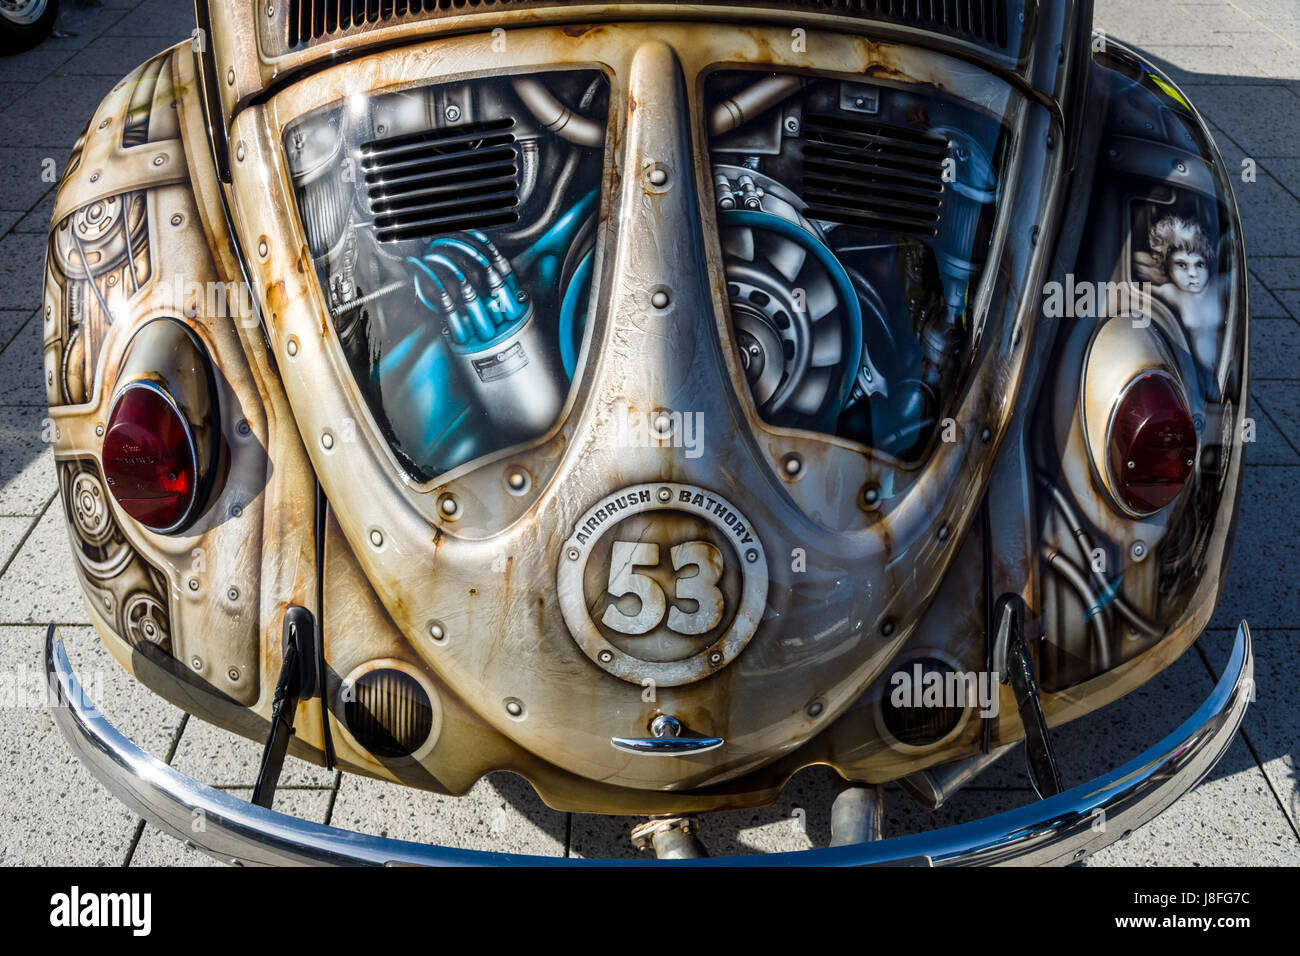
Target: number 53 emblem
(664,582)
(702,587)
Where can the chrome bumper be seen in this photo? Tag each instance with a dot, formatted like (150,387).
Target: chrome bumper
(1059,830)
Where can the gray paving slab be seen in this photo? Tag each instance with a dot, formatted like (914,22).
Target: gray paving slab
(12,533)
(1290,301)
(1150,22)
(1248,112)
(115,56)
(1279,273)
(55,812)
(37,219)
(26,175)
(156,848)
(1263,304)
(11,320)
(26,460)
(798,820)
(1282,401)
(34,65)
(502,812)
(1274,349)
(156,18)
(22,366)
(1272,725)
(225,760)
(40,585)
(26,118)
(23,284)
(1270,446)
(1261,582)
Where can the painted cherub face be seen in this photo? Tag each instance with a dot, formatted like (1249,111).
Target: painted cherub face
(1188,270)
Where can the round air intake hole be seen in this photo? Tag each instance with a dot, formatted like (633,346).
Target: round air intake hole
(924,702)
(389,712)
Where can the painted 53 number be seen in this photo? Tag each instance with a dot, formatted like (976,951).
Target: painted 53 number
(700,587)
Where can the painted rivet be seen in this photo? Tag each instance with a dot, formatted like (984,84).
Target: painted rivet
(658,176)
(196,663)
(943,533)
(239,152)
(605,656)
(377,538)
(244,428)
(1138,550)
(230,76)
(159,160)
(660,300)
(437,632)
(871,495)
(573,554)
(292,346)
(888,627)
(514,707)
(193,584)
(263,248)
(664,494)
(232,593)
(327,440)
(792,465)
(816,708)
(177,219)
(518,480)
(233,673)
(236,510)
(449,506)
(99,430)
(751,555)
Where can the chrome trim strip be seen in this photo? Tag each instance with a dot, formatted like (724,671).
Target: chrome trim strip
(1058,830)
(665,746)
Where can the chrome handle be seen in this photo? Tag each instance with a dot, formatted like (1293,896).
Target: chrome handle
(670,739)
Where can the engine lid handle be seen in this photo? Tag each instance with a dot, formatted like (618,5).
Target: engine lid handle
(671,739)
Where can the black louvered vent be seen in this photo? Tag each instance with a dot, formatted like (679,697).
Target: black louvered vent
(984,20)
(443,180)
(389,713)
(922,726)
(869,174)
(312,20)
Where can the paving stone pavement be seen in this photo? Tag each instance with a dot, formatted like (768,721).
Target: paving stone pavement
(1238,61)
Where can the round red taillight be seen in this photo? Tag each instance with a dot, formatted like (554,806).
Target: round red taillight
(149,458)
(1152,444)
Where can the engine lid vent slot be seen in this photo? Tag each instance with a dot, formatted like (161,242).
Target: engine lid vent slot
(861,173)
(443,180)
(982,20)
(311,21)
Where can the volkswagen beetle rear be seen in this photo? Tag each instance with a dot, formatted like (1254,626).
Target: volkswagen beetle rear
(651,401)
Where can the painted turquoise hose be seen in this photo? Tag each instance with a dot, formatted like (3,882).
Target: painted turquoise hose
(569,328)
(556,240)
(478,317)
(755,219)
(505,302)
(455,323)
